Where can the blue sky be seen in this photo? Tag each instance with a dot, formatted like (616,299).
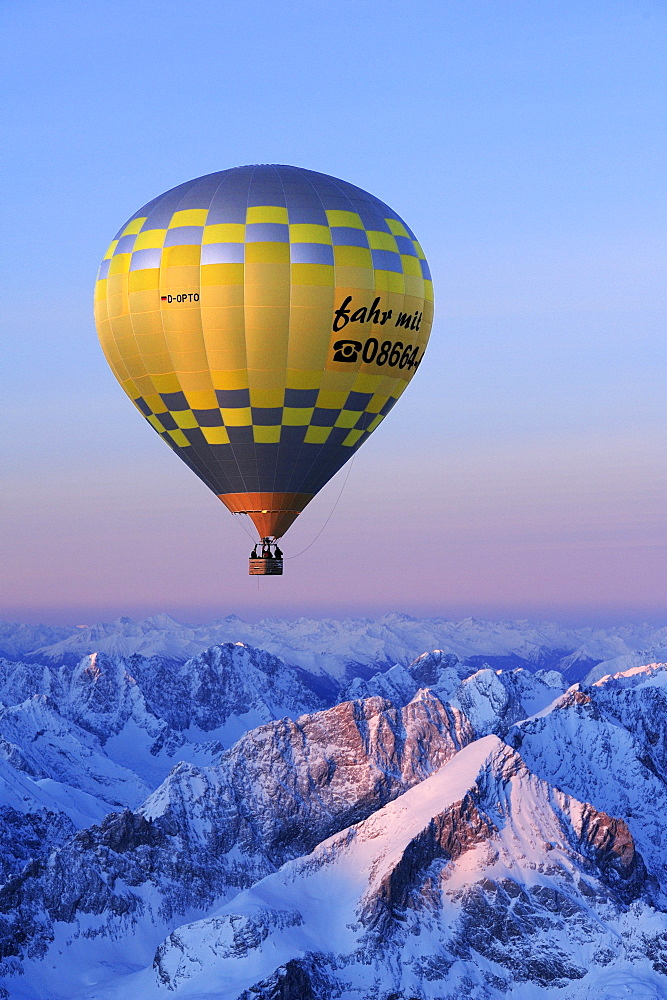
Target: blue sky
(525,471)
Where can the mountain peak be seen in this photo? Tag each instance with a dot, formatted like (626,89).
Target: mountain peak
(440,862)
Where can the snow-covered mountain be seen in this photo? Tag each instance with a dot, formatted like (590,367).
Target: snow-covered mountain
(491,699)
(229,822)
(345,648)
(480,877)
(208,832)
(607,744)
(101,734)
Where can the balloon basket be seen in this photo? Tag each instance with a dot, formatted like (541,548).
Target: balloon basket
(265,567)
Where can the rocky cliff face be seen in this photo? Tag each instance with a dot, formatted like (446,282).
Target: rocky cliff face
(480,877)
(491,699)
(581,747)
(208,829)
(112,726)
(207,832)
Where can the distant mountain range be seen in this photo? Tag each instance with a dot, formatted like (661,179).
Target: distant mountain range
(397,809)
(345,648)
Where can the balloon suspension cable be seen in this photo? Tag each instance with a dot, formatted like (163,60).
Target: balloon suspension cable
(240,521)
(349,470)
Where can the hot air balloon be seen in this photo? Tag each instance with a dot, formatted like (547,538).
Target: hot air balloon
(264,320)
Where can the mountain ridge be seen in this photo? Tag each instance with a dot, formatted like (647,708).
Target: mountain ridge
(342,648)
(237,770)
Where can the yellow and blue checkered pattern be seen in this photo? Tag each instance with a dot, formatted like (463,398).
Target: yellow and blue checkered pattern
(215,307)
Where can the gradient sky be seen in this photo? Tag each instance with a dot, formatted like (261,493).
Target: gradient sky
(524,472)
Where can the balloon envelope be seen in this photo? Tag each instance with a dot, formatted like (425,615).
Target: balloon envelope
(264,320)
